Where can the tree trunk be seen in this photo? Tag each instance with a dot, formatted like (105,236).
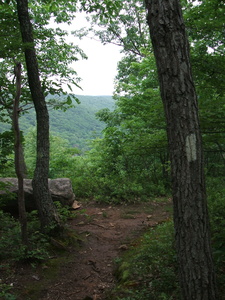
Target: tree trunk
(191,222)
(46,208)
(19,159)
(23,167)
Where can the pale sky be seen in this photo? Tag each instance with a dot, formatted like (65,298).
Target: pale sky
(99,70)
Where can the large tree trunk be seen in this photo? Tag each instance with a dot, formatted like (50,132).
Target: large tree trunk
(47,211)
(191,222)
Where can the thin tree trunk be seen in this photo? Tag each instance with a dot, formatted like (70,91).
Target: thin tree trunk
(191,221)
(22,161)
(46,208)
(23,167)
(18,163)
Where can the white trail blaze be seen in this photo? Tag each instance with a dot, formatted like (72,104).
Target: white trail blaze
(191,150)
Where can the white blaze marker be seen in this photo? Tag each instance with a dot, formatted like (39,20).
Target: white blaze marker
(191,150)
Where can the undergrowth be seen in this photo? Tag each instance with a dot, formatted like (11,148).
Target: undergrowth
(41,246)
(11,247)
(148,270)
(216,201)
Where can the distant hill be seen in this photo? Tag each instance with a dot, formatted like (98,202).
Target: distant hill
(77,125)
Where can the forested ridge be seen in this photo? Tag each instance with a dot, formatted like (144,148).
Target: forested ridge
(160,139)
(78,124)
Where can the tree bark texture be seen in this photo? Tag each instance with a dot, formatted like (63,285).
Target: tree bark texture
(9,109)
(42,195)
(192,233)
(19,158)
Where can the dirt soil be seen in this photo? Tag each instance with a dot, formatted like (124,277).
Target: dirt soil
(87,272)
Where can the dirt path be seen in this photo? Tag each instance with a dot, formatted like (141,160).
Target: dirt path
(107,231)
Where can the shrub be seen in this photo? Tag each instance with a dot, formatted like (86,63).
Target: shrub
(216,203)
(11,247)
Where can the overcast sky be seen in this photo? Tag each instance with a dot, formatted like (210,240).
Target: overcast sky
(99,70)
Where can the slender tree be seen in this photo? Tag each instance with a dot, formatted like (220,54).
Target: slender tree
(178,94)
(13,109)
(19,158)
(47,211)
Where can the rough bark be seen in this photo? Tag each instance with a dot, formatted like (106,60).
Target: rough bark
(47,211)
(191,221)
(19,162)
(9,109)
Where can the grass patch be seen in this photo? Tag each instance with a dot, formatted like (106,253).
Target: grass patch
(148,270)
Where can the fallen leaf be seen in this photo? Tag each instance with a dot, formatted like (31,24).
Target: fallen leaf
(76,205)
(36,277)
(123,247)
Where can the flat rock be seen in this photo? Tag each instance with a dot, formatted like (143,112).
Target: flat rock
(60,188)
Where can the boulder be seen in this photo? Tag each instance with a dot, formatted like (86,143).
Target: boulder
(60,188)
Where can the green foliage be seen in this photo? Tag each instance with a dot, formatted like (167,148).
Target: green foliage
(205,26)
(84,179)
(39,246)
(77,124)
(64,212)
(105,10)
(131,160)
(11,247)
(7,196)
(54,55)
(128,28)
(148,269)
(10,42)
(6,146)
(61,156)
(96,176)
(216,204)
(217,208)
(7,153)
(5,292)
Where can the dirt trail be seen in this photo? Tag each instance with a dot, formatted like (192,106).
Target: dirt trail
(107,231)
